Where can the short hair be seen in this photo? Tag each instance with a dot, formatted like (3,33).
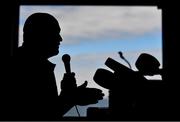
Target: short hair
(39,25)
(40,22)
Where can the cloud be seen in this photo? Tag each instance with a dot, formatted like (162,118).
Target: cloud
(98,23)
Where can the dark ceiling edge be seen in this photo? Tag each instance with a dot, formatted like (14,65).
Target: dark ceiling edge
(92,2)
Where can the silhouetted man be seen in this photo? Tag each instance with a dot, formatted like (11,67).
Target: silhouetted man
(34,93)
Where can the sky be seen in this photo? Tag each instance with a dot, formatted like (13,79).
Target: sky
(91,34)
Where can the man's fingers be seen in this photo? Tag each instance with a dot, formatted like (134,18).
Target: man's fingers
(90,95)
(83,85)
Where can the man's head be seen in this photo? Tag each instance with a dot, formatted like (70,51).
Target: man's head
(41,34)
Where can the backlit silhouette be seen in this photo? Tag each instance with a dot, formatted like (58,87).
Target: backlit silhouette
(33,90)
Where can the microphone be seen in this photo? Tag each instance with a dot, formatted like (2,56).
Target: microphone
(104,78)
(121,56)
(66,59)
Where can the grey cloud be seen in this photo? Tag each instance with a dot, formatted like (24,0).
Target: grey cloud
(87,22)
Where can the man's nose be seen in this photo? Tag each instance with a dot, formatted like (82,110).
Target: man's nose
(60,38)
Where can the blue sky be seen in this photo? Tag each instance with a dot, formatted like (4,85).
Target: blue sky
(91,34)
(147,41)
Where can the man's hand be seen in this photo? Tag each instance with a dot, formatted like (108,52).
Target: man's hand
(68,82)
(78,95)
(86,96)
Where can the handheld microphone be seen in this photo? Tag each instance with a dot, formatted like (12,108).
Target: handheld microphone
(66,59)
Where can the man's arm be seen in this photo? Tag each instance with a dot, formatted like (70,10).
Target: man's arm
(72,95)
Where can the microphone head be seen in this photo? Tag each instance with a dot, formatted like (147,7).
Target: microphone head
(104,78)
(121,54)
(147,64)
(66,58)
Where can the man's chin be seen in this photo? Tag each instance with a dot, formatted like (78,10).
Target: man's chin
(54,53)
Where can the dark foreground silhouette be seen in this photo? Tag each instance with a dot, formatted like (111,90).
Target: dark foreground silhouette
(131,95)
(31,92)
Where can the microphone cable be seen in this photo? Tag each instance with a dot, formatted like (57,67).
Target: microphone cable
(77,111)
